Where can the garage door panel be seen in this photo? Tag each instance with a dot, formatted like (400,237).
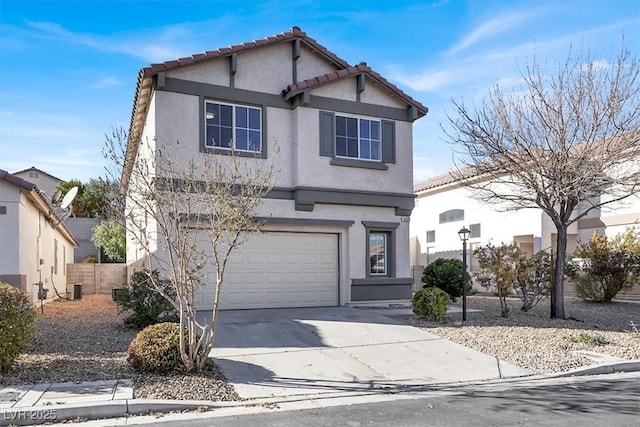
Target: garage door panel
(279,270)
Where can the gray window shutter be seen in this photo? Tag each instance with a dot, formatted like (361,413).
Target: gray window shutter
(327,134)
(388,142)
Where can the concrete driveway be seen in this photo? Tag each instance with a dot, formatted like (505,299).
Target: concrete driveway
(285,352)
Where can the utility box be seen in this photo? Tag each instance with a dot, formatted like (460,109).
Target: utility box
(115,292)
(75,292)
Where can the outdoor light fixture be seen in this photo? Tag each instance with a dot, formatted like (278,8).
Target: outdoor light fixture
(464,234)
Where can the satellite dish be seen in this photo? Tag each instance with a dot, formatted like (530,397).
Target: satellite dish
(57,196)
(68,198)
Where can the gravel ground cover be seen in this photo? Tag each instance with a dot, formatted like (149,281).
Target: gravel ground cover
(85,341)
(533,341)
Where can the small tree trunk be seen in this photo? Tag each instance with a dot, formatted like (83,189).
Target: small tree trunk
(557,290)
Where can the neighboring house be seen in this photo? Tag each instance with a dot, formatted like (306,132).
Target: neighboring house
(82,230)
(47,183)
(36,245)
(337,231)
(444,206)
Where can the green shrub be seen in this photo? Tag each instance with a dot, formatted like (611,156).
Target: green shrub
(156,349)
(17,318)
(610,266)
(591,339)
(430,304)
(446,274)
(146,304)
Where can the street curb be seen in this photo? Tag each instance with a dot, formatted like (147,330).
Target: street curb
(120,408)
(598,369)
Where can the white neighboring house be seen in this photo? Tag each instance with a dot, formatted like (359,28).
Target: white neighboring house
(36,245)
(337,231)
(444,206)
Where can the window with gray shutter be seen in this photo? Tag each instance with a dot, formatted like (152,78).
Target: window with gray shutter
(388,142)
(327,134)
(475,230)
(431,236)
(357,138)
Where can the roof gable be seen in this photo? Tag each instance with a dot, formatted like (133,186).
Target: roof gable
(361,69)
(40,171)
(294,33)
(39,200)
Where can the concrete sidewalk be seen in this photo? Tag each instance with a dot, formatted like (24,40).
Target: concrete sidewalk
(277,356)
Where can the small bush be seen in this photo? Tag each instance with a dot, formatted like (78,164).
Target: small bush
(608,266)
(430,304)
(17,318)
(591,339)
(446,274)
(156,349)
(146,304)
(635,333)
(90,259)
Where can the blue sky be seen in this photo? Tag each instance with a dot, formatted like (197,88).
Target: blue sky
(68,68)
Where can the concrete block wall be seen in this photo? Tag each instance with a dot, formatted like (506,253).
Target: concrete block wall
(96,278)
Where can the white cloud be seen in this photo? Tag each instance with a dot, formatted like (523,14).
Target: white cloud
(496,25)
(63,145)
(106,82)
(153,45)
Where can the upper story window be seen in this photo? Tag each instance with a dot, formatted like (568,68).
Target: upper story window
(452,216)
(475,230)
(233,126)
(357,141)
(358,138)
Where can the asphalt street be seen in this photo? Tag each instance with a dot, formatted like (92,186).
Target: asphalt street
(602,400)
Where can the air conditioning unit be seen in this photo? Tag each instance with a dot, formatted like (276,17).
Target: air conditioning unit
(74,291)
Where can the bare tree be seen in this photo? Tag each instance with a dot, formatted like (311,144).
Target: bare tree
(187,217)
(567,143)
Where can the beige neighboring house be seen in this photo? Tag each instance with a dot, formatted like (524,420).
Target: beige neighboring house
(337,231)
(36,246)
(45,182)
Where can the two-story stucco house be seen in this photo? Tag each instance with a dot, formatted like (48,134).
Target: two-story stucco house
(336,232)
(36,246)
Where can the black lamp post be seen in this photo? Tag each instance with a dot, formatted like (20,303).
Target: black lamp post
(464,234)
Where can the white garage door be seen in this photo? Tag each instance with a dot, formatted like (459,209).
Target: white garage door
(278,269)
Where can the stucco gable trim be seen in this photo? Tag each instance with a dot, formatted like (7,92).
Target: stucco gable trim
(358,72)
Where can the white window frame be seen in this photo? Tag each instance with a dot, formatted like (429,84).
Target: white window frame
(234,127)
(358,119)
(385,253)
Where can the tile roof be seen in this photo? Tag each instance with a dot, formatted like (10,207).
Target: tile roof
(446,178)
(17,181)
(362,68)
(294,33)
